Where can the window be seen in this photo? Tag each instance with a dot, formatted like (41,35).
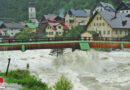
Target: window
(66,21)
(94,24)
(108,32)
(103,24)
(101,9)
(100,18)
(11,33)
(100,33)
(104,32)
(56,33)
(59,27)
(116,32)
(125,32)
(120,32)
(59,32)
(97,18)
(100,24)
(97,24)
(50,33)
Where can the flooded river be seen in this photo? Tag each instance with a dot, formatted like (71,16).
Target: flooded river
(87,70)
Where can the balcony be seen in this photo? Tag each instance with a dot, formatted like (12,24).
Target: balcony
(72,18)
(82,23)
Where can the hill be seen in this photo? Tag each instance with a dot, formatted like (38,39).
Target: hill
(18,9)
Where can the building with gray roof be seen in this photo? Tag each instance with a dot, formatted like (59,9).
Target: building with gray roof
(76,18)
(1,24)
(119,20)
(11,29)
(124,7)
(109,24)
(78,13)
(102,6)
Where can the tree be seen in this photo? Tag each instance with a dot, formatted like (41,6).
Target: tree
(94,33)
(25,34)
(75,32)
(18,9)
(57,52)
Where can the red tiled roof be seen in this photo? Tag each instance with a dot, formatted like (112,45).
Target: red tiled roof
(53,25)
(66,28)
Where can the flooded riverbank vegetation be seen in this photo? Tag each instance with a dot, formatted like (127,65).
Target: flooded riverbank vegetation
(29,82)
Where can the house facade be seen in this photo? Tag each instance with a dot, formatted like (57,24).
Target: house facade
(32,26)
(11,29)
(101,6)
(106,24)
(76,18)
(55,29)
(46,19)
(124,7)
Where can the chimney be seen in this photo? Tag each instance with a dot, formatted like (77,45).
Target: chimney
(128,15)
(124,22)
(115,15)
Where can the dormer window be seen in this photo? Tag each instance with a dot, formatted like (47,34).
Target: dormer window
(59,27)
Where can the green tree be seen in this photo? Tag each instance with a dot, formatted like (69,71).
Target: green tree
(75,31)
(57,52)
(25,34)
(17,10)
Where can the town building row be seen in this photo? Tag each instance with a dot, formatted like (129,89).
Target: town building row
(104,20)
(11,29)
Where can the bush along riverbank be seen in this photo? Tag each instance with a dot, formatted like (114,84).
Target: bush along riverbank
(28,82)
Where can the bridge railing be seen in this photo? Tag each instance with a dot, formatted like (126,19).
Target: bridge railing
(64,39)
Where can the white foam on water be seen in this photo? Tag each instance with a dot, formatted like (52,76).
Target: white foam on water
(87,70)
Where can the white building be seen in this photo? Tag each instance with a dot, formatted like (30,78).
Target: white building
(32,12)
(11,29)
(101,6)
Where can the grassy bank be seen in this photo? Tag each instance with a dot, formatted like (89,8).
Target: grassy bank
(23,77)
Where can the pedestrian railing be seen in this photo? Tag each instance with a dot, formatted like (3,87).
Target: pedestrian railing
(64,39)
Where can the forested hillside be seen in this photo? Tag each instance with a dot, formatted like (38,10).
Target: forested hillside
(18,9)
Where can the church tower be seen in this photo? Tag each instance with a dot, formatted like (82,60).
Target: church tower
(32,11)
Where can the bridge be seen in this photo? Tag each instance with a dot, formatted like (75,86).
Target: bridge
(85,43)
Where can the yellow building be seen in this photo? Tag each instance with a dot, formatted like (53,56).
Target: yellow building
(76,18)
(55,29)
(31,26)
(109,24)
(89,35)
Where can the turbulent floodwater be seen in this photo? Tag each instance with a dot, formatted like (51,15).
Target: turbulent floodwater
(87,70)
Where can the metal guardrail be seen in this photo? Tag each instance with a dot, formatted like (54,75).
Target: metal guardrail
(63,39)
